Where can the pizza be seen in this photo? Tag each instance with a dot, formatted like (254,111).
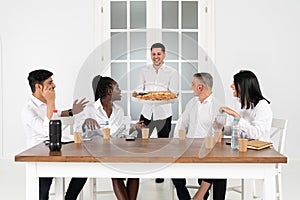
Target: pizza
(157,96)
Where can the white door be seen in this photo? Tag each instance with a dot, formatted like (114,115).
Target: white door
(130,27)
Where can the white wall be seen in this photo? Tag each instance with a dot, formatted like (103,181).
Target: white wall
(263,35)
(56,35)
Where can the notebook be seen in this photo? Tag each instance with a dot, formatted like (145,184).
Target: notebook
(258,145)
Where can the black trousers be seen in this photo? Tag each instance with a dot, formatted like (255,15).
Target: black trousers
(75,186)
(219,189)
(163,126)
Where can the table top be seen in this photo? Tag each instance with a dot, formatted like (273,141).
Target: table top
(161,150)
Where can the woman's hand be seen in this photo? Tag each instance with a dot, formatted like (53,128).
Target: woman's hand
(139,125)
(229,111)
(91,124)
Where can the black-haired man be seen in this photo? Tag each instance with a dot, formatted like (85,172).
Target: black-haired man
(36,115)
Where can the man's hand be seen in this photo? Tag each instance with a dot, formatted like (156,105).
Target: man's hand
(79,106)
(49,94)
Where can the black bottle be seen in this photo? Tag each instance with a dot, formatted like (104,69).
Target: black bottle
(55,132)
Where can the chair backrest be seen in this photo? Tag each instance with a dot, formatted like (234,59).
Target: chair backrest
(67,125)
(278,134)
(127,121)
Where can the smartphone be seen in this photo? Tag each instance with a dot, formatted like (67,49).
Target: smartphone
(130,138)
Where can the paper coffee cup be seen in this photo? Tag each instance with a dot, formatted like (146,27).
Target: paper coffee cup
(218,136)
(243,144)
(106,133)
(77,137)
(182,134)
(209,142)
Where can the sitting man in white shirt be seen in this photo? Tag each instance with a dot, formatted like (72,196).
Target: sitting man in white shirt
(197,119)
(36,116)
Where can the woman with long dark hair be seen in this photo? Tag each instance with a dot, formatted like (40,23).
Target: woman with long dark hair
(252,109)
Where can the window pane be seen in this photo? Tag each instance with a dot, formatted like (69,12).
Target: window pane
(138,46)
(118,46)
(173,65)
(138,14)
(186,97)
(171,42)
(118,15)
(189,46)
(170,14)
(172,130)
(123,103)
(190,15)
(188,70)
(135,69)
(135,110)
(119,74)
(175,111)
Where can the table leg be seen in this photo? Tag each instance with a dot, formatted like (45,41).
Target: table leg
(32,182)
(269,185)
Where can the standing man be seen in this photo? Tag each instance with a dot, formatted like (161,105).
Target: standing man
(36,116)
(198,118)
(158,77)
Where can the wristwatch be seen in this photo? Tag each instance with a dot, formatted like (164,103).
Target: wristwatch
(70,112)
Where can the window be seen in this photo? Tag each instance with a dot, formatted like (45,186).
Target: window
(131,27)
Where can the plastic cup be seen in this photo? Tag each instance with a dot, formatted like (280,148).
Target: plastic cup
(243,144)
(220,121)
(77,137)
(182,134)
(145,133)
(209,142)
(106,133)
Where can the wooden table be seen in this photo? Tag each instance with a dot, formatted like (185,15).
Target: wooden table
(152,158)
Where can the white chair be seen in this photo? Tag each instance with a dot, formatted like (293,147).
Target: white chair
(278,135)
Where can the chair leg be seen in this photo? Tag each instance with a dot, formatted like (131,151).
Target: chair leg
(211,193)
(279,189)
(94,188)
(172,188)
(59,188)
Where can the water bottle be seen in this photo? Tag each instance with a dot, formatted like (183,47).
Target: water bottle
(55,132)
(235,134)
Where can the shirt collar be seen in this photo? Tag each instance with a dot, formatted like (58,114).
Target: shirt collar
(36,101)
(161,68)
(208,99)
(98,104)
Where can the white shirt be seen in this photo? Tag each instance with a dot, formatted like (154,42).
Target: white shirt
(165,79)
(197,118)
(35,121)
(95,111)
(256,123)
